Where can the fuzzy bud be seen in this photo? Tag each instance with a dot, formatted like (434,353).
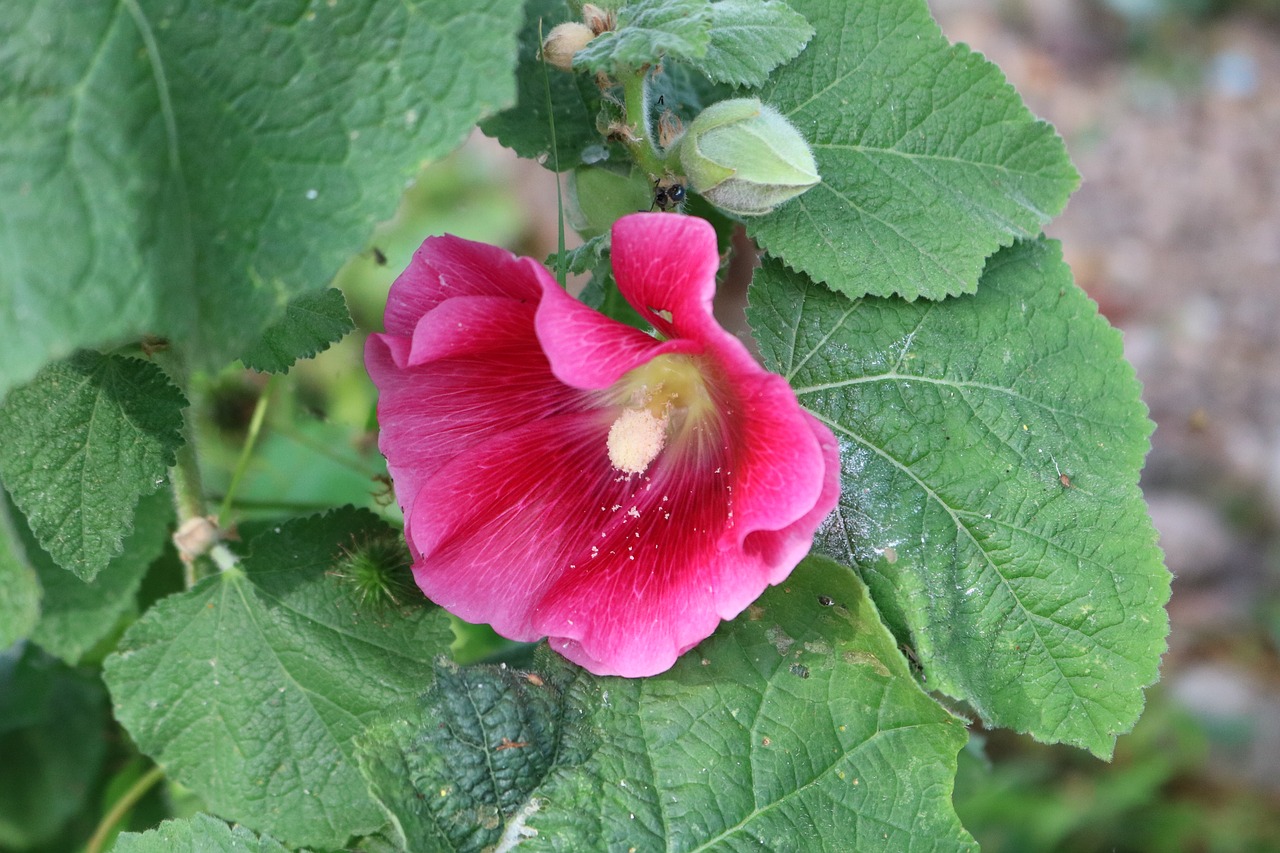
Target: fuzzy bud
(563,42)
(746,158)
(599,20)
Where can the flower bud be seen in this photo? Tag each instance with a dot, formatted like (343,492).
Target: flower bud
(599,20)
(746,158)
(598,196)
(563,42)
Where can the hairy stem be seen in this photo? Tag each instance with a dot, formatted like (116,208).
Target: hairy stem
(635,97)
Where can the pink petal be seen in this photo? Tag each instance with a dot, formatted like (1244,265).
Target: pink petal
(449,266)
(589,350)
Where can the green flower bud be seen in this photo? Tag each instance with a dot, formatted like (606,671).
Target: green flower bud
(598,196)
(745,157)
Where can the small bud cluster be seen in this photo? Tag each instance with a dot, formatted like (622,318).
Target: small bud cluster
(568,38)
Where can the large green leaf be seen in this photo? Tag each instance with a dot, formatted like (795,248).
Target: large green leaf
(929,160)
(185,170)
(749,38)
(648,31)
(80,444)
(990,450)
(250,687)
(797,726)
(199,833)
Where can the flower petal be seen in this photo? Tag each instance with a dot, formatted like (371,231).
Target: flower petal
(448,266)
(589,350)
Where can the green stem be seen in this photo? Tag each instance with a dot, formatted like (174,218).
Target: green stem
(246,452)
(555,161)
(635,99)
(184,477)
(122,805)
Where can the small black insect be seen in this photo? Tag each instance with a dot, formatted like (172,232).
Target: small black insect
(826,601)
(379,257)
(667,194)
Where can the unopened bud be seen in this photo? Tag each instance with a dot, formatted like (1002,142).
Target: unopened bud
(670,129)
(563,42)
(599,20)
(745,157)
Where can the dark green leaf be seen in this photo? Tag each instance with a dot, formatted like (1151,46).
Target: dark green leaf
(80,444)
(51,745)
(749,38)
(310,324)
(454,769)
(930,162)
(197,834)
(77,614)
(575,101)
(990,448)
(585,258)
(649,31)
(187,171)
(19,587)
(250,687)
(797,726)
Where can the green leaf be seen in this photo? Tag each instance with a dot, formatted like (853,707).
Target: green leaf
(77,614)
(990,451)
(797,726)
(80,444)
(19,588)
(649,31)
(575,100)
(930,162)
(452,770)
(750,38)
(250,687)
(310,324)
(187,173)
(197,834)
(51,724)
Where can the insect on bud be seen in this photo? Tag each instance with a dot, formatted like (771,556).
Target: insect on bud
(599,20)
(563,42)
(746,158)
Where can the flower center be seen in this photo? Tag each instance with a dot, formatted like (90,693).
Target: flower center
(635,439)
(659,401)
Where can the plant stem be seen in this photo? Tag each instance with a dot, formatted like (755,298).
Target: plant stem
(184,477)
(635,98)
(122,805)
(246,452)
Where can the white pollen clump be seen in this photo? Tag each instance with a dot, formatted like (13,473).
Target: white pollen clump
(635,440)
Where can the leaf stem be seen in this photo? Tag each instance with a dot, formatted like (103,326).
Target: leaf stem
(185,478)
(555,162)
(127,801)
(246,452)
(635,98)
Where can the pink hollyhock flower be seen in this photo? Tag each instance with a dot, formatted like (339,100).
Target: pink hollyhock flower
(568,476)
